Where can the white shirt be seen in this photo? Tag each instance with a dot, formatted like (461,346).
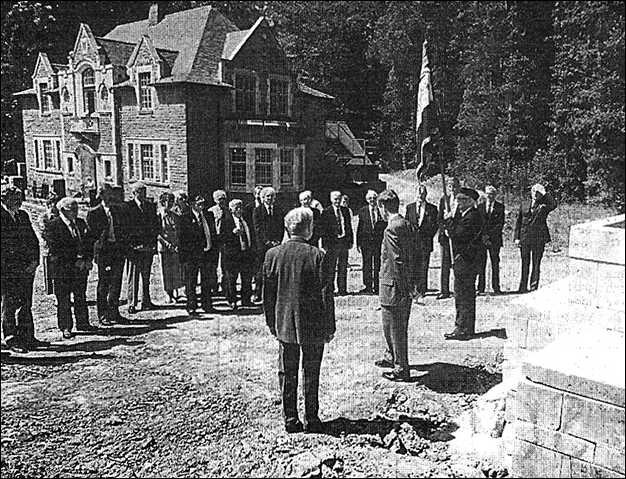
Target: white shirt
(205,226)
(71,225)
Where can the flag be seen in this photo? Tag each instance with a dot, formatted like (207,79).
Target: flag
(424,116)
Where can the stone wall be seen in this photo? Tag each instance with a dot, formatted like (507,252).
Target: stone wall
(566,349)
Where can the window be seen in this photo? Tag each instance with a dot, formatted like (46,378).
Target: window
(58,151)
(48,156)
(45,99)
(131,160)
(238,166)
(107,168)
(279,97)
(147,162)
(104,93)
(89,91)
(301,166)
(165,166)
(245,93)
(263,166)
(145,94)
(286,166)
(37,160)
(66,100)
(70,165)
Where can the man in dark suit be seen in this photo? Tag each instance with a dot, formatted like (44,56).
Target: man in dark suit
(305,198)
(237,238)
(369,237)
(71,253)
(337,239)
(464,227)
(248,211)
(445,205)
(299,311)
(423,216)
(396,286)
(268,225)
(198,253)
(532,234)
(107,229)
(492,212)
(143,229)
(19,255)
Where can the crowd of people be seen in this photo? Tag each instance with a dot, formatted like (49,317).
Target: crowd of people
(293,264)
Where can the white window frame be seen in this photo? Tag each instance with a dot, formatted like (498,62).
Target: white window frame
(161,169)
(53,163)
(147,88)
(90,88)
(289,163)
(46,104)
(230,164)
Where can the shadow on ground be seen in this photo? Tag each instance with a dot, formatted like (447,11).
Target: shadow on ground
(455,379)
(30,360)
(382,426)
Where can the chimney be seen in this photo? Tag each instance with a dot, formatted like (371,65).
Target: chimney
(157,12)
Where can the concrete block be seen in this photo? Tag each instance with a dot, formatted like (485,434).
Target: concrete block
(554,440)
(539,405)
(540,334)
(593,420)
(583,282)
(579,468)
(590,363)
(609,292)
(598,241)
(609,458)
(510,411)
(517,330)
(530,460)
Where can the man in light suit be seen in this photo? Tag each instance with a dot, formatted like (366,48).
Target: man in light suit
(299,311)
(71,253)
(143,228)
(337,239)
(396,286)
(463,226)
(198,253)
(19,247)
(369,237)
(267,222)
(492,212)
(220,213)
(423,216)
(445,205)
(532,234)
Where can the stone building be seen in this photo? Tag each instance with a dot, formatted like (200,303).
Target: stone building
(181,101)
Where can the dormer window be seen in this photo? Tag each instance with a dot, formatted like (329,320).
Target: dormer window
(44,98)
(145,92)
(89,91)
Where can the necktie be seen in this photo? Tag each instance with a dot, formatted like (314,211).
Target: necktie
(111,226)
(207,232)
(74,230)
(373,217)
(338,223)
(243,236)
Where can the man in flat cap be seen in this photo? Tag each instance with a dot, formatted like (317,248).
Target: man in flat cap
(532,234)
(464,226)
(20,257)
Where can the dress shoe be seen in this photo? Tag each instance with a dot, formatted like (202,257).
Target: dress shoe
(248,304)
(342,293)
(67,334)
(522,291)
(366,291)
(496,292)
(393,376)
(419,299)
(233,306)
(443,295)
(255,298)
(86,327)
(314,426)
(293,425)
(35,343)
(209,309)
(383,363)
(132,310)
(148,306)
(18,348)
(193,312)
(457,336)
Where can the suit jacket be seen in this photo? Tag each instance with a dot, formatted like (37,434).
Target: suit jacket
(192,239)
(328,228)
(232,243)
(18,242)
(98,228)
(531,227)
(269,231)
(465,234)
(297,293)
(493,223)
(426,231)
(397,264)
(143,227)
(65,250)
(366,235)
(220,214)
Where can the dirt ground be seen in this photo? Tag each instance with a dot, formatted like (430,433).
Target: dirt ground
(180,397)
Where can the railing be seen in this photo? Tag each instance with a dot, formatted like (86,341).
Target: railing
(85,125)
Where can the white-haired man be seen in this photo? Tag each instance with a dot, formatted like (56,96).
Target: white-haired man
(299,311)
(71,254)
(369,238)
(306,198)
(220,212)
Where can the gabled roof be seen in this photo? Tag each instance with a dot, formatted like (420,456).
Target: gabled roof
(117,52)
(307,90)
(182,32)
(236,40)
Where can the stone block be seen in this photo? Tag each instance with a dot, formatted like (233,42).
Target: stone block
(583,282)
(609,291)
(539,405)
(596,421)
(609,458)
(510,411)
(579,468)
(599,242)
(554,440)
(540,334)
(530,460)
